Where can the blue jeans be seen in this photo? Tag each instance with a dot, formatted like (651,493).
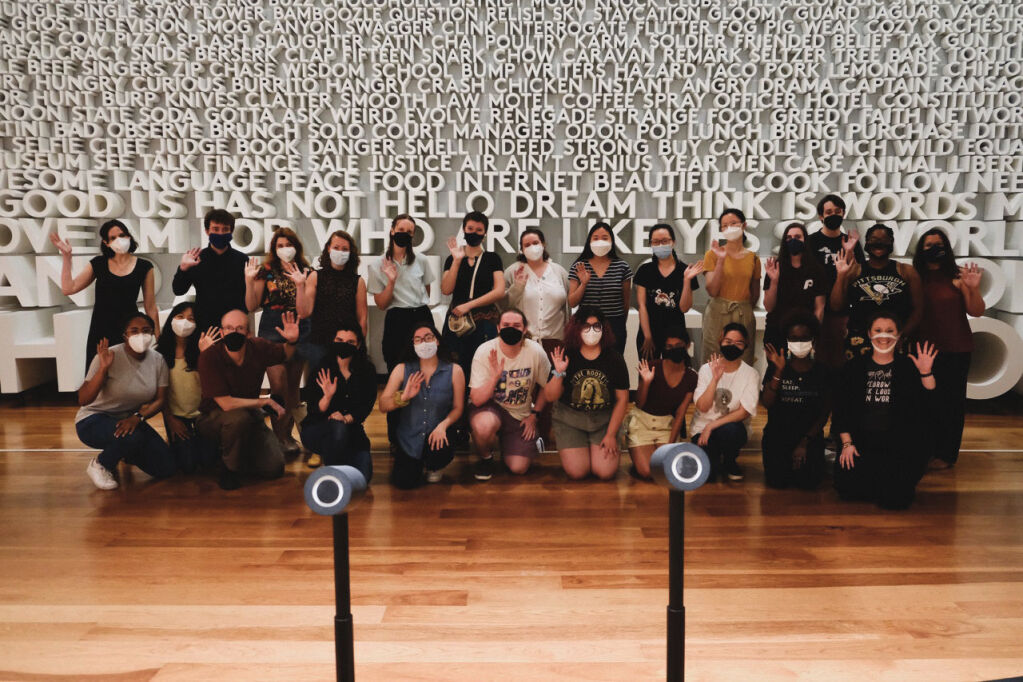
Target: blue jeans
(143,447)
(723,445)
(330,439)
(195,452)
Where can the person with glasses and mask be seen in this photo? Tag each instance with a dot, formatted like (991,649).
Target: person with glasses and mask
(951,296)
(666,387)
(589,388)
(797,395)
(217,272)
(506,373)
(119,276)
(233,414)
(664,291)
(126,385)
(880,283)
(338,403)
(601,278)
(427,393)
(884,406)
(793,281)
(727,393)
(733,282)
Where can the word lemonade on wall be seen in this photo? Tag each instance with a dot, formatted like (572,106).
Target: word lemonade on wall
(549,114)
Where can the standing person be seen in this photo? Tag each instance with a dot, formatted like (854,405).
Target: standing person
(733,282)
(664,291)
(119,275)
(880,283)
(427,392)
(271,286)
(217,272)
(884,404)
(794,281)
(601,279)
(726,401)
(950,293)
(666,387)
(180,344)
(590,391)
(474,278)
(506,373)
(231,375)
(828,245)
(400,284)
(333,296)
(125,385)
(797,395)
(338,403)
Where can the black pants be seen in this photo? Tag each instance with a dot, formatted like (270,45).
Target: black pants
(885,472)
(408,471)
(620,330)
(779,469)
(951,371)
(398,326)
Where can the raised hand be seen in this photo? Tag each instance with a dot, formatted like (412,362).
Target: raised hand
(252,268)
(294,272)
(971,275)
(62,246)
(772,268)
(105,355)
(327,383)
(209,337)
(694,270)
(389,269)
(844,262)
(924,358)
(559,359)
(412,386)
(717,249)
(646,371)
(850,241)
(189,259)
(582,273)
(289,328)
(496,363)
(717,366)
(520,274)
(775,358)
(456,249)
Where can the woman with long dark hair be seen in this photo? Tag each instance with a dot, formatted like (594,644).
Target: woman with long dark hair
(950,294)
(601,279)
(664,291)
(733,282)
(793,281)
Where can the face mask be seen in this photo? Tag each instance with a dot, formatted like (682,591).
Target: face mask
(234,341)
(934,253)
(884,351)
(663,251)
(533,252)
(140,343)
(800,349)
(426,350)
(182,327)
(510,335)
(286,253)
(833,221)
(473,238)
(795,246)
(673,354)
(220,241)
(591,337)
(600,248)
(120,245)
(402,239)
(731,352)
(344,349)
(732,233)
(880,249)
(338,257)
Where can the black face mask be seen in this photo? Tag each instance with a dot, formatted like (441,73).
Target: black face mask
(343,349)
(833,221)
(731,352)
(880,249)
(473,238)
(795,246)
(234,341)
(935,253)
(402,239)
(673,354)
(510,335)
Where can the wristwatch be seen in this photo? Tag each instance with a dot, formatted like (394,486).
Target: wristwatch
(139,415)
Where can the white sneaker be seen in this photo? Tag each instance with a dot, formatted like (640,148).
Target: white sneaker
(100,475)
(434,476)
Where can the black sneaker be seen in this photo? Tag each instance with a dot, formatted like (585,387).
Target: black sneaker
(229,480)
(484,469)
(733,471)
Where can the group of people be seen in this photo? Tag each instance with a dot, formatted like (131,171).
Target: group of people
(851,335)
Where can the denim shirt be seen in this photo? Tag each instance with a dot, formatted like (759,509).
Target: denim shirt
(427,409)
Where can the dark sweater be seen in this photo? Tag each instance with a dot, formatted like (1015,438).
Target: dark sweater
(219,281)
(355,396)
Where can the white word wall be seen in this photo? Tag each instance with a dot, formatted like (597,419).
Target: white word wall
(541,113)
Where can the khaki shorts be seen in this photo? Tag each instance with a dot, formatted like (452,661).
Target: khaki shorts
(578,428)
(647,429)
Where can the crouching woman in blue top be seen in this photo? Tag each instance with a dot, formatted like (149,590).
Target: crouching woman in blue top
(338,403)
(428,391)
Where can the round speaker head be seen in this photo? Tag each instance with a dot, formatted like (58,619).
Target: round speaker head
(330,490)
(683,466)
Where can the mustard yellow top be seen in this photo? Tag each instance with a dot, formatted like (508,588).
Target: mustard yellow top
(184,393)
(736,275)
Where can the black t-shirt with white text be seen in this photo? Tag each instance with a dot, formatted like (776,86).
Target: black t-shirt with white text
(590,385)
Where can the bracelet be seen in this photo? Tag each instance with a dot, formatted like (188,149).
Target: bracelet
(535,413)
(559,374)
(139,415)
(929,374)
(847,445)
(398,400)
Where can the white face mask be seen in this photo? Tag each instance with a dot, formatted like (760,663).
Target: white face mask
(182,326)
(140,343)
(338,257)
(884,351)
(732,233)
(286,253)
(600,248)
(533,252)
(591,337)
(800,349)
(120,245)
(426,350)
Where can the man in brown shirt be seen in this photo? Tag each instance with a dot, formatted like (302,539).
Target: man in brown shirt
(231,375)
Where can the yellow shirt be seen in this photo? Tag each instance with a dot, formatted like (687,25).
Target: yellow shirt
(184,393)
(737,275)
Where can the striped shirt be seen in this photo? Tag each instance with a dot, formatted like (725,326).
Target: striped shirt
(605,292)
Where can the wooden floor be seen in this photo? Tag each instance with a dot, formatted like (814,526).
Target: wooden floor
(532,578)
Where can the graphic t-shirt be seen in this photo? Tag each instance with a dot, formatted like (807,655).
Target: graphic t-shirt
(734,389)
(801,398)
(514,390)
(877,289)
(877,398)
(825,249)
(663,294)
(590,385)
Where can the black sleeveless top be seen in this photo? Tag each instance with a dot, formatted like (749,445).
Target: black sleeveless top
(875,290)
(335,303)
(116,298)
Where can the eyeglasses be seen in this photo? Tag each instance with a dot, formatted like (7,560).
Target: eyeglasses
(425,338)
(593,328)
